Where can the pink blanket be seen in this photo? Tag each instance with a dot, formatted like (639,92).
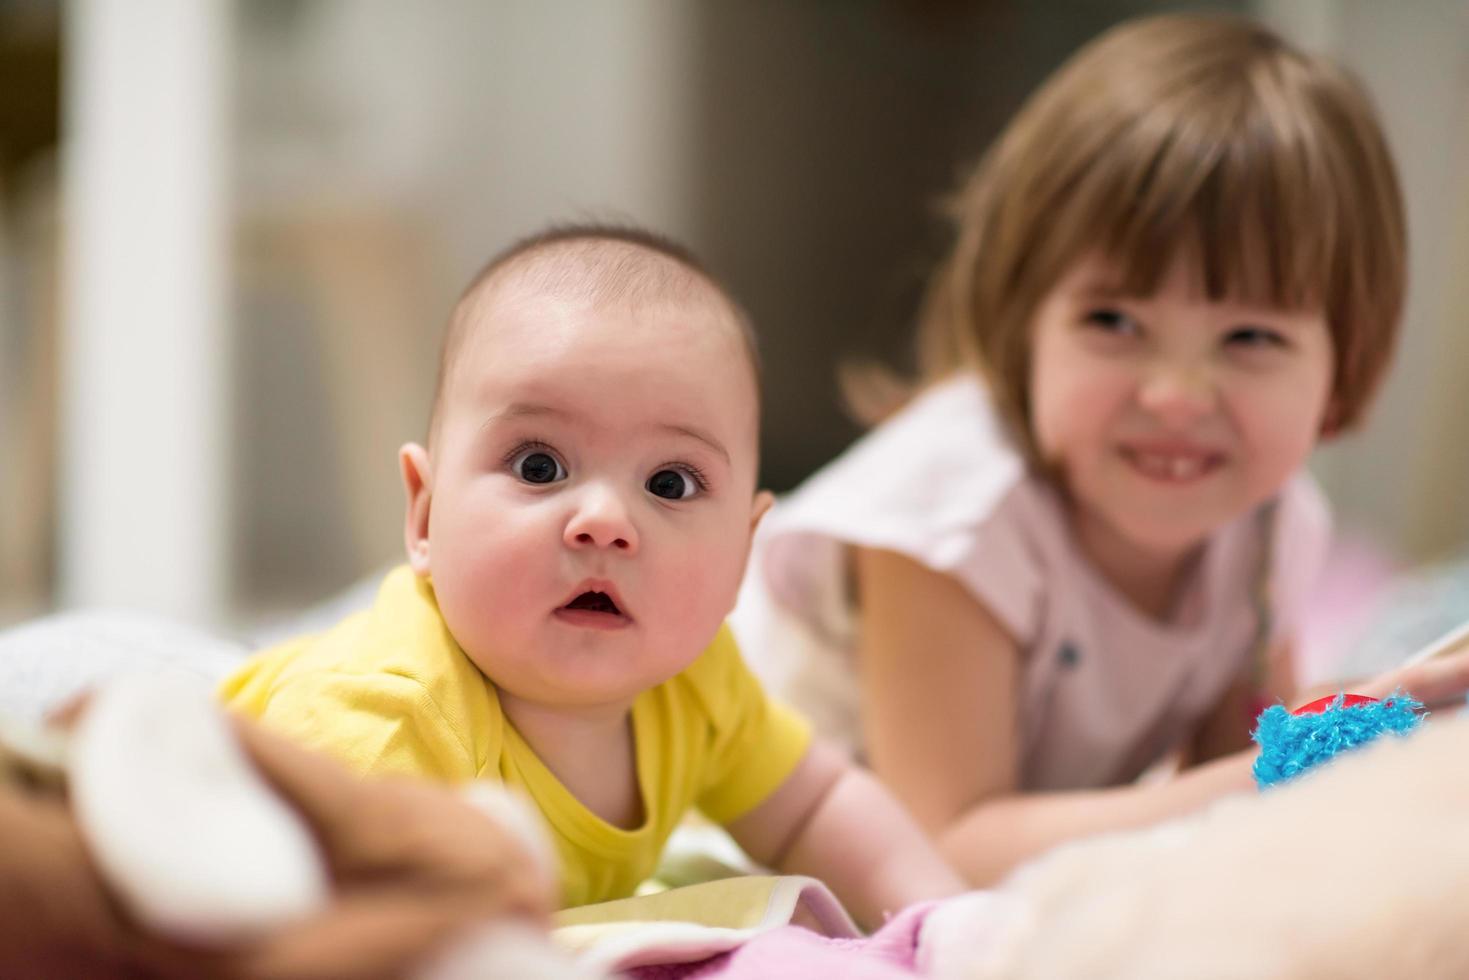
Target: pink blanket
(797,953)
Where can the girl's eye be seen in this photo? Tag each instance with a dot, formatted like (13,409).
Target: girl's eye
(674,484)
(1254,337)
(537,466)
(1111,321)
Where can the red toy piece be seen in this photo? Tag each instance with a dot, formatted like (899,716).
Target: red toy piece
(1320,705)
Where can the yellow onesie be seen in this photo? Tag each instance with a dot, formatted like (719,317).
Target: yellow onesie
(388,691)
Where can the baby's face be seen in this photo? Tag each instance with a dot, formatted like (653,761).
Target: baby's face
(592,494)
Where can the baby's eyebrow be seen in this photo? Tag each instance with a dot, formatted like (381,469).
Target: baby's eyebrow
(520,410)
(699,434)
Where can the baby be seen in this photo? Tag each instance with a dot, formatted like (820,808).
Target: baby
(577,527)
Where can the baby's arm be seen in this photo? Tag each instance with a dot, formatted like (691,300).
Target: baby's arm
(834,821)
(939,678)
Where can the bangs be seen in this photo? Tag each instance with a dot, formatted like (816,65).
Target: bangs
(1198,140)
(1239,195)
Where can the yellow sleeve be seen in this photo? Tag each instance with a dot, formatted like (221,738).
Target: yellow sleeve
(757,741)
(378,724)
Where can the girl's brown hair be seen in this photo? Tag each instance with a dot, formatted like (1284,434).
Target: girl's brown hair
(1171,135)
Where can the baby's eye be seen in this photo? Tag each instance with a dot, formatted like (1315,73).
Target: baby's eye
(1254,337)
(1111,321)
(674,484)
(535,465)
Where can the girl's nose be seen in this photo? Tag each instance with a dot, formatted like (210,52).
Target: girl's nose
(601,520)
(1179,394)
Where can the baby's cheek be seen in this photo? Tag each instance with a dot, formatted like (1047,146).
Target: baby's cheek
(489,579)
(700,593)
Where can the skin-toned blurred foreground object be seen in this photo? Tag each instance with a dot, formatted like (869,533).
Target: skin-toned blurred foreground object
(196,844)
(1354,870)
(218,850)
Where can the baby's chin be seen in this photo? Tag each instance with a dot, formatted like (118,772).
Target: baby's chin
(580,678)
(559,697)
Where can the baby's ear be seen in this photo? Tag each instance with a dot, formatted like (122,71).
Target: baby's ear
(413,461)
(763,501)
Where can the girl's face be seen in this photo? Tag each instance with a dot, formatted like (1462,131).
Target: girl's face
(1170,415)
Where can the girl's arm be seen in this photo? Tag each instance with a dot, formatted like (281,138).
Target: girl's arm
(1227,728)
(940,679)
(833,821)
(1440,680)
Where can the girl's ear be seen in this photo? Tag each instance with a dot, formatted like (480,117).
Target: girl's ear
(413,461)
(1331,420)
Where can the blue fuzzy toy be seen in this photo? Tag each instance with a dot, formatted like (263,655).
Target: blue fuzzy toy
(1291,743)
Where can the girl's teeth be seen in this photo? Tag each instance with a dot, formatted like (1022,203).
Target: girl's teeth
(1171,467)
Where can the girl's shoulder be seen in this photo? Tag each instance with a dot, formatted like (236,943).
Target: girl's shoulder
(940,483)
(941,463)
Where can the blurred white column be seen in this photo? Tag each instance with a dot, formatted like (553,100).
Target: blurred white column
(144,394)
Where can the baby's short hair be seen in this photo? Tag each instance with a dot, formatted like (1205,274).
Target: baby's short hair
(597,263)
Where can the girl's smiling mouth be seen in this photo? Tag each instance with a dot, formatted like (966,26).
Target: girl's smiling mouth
(1176,465)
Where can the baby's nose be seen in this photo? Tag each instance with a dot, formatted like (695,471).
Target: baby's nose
(602,520)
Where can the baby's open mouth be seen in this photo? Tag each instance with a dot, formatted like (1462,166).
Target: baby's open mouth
(599,602)
(595,607)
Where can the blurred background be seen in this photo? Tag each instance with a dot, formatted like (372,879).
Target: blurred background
(230,232)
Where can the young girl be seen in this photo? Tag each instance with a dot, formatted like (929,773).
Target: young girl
(1082,545)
